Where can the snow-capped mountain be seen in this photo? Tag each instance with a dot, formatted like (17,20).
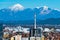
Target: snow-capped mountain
(16,7)
(42,13)
(45,10)
(45,7)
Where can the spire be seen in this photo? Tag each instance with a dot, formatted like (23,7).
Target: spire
(35,21)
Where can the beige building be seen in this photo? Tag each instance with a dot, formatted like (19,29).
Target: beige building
(16,37)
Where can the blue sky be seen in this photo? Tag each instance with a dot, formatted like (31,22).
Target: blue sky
(31,3)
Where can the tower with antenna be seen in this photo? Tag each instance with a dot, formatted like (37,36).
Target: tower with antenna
(35,21)
(35,24)
(35,31)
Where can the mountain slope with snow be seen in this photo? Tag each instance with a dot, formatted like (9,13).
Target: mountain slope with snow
(17,7)
(15,14)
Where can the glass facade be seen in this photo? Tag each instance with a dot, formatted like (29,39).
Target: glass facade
(35,32)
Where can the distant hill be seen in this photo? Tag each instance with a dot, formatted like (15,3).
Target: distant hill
(31,22)
(49,21)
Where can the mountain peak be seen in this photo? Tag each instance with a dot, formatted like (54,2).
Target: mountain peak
(17,7)
(45,7)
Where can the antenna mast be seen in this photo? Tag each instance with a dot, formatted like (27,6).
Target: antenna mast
(35,21)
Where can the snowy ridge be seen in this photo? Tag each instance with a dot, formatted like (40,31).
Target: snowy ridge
(17,7)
